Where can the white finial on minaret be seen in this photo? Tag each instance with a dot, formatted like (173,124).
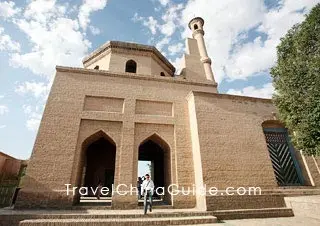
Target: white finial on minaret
(196,26)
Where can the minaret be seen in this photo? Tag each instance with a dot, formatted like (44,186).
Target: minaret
(196,26)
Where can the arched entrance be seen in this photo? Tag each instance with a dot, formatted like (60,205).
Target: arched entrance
(157,152)
(100,159)
(99,153)
(282,154)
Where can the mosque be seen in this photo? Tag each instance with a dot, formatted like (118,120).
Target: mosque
(127,105)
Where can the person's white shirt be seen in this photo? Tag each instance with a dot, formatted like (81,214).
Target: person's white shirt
(147,185)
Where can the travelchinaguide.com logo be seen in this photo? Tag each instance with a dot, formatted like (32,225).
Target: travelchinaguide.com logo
(173,189)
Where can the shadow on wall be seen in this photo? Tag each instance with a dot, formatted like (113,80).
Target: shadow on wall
(37,195)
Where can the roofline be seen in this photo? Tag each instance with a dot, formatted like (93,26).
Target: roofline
(231,96)
(9,156)
(136,76)
(129,46)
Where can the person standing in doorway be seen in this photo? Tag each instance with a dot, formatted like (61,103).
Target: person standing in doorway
(147,193)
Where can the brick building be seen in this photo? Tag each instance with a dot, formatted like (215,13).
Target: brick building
(11,171)
(10,168)
(127,105)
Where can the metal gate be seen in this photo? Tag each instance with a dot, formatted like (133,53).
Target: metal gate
(283,161)
(6,194)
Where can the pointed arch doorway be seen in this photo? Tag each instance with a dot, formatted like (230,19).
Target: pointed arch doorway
(156,152)
(99,155)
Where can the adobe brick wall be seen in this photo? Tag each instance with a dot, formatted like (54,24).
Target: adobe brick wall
(67,122)
(9,167)
(232,143)
(232,202)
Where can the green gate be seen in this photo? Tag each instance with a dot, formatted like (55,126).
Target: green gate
(281,152)
(6,194)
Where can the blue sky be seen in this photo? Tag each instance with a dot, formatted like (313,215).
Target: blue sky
(36,35)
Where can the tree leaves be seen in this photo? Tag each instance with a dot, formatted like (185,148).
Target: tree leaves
(296,78)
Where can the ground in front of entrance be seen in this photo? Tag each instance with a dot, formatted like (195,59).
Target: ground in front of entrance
(282,221)
(306,210)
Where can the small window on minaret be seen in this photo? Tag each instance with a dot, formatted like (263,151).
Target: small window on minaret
(162,74)
(96,67)
(131,66)
(195,27)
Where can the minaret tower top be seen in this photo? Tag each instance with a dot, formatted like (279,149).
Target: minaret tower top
(196,26)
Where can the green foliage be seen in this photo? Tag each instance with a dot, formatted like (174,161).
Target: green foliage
(296,78)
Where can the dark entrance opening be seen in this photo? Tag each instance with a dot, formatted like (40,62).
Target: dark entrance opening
(100,164)
(157,152)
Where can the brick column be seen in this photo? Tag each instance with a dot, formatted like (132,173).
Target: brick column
(124,160)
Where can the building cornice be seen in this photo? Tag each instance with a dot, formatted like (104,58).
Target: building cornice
(177,80)
(229,96)
(116,45)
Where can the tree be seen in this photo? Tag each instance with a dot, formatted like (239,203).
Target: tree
(296,78)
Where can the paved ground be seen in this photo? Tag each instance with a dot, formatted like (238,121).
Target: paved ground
(283,221)
(306,210)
